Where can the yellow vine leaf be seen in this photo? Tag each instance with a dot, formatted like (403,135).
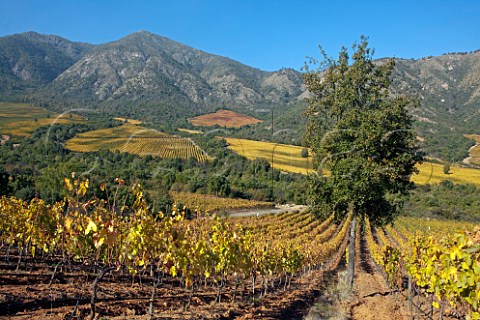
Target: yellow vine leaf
(91,227)
(68,184)
(99,242)
(173,271)
(68,223)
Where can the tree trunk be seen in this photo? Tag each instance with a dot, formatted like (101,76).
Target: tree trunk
(54,273)
(154,291)
(103,271)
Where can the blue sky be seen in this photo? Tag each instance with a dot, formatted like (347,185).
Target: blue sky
(265,34)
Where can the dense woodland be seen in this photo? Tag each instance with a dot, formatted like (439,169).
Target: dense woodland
(445,200)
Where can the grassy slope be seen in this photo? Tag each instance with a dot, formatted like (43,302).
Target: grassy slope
(132,121)
(20,119)
(284,157)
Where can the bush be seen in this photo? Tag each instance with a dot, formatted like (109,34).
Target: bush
(304,153)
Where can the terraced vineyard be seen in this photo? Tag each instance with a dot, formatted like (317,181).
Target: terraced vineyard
(281,156)
(208,203)
(224,118)
(20,119)
(137,140)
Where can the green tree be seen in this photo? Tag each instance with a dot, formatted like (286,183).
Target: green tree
(4,179)
(304,153)
(360,132)
(446,168)
(219,185)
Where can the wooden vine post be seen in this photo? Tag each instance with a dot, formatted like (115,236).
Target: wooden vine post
(351,252)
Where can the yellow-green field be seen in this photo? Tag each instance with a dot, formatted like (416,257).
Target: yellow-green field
(137,140)
(433,173)
(132,121)
(284,157)
(288,158)
(19,119)
(190,131)
(434,227)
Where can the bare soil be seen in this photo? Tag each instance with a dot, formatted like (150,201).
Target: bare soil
(224,118)
(26,294)
(373,298)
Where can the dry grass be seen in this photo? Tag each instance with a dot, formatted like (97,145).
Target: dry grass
(137,140)
(21,119)
(131,121)
(190,131)
(224,118)
(284,157)
(434,227)
(335,302)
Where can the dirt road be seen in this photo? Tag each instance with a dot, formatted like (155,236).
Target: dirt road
(373,298)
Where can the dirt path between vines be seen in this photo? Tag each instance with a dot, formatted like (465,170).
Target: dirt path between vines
(373,298)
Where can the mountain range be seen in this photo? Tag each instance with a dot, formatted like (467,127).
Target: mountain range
(448,87)
(141,68)
(150,76)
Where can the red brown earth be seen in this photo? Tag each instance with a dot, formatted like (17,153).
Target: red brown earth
(26,294)
(224,118)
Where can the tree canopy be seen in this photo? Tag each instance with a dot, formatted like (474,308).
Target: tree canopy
(360,131)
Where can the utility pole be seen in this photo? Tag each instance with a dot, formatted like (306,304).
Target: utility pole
(271,167)
(272,124)
(351,252)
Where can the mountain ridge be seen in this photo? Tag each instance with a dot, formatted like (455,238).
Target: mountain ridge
(148,63)
(31,58)
(151,76)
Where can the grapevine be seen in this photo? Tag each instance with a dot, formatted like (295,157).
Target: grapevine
(269,252)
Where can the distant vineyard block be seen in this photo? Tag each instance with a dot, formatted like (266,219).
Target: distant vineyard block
(224,118)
